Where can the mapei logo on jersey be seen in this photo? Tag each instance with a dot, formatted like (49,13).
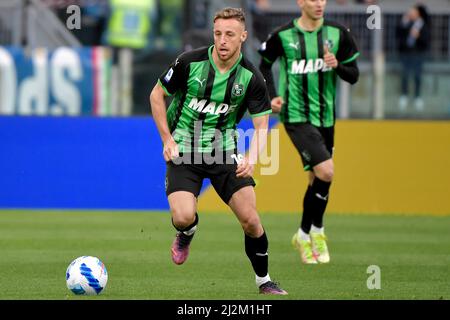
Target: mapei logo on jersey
(310,66)
(212,108)
(238,90)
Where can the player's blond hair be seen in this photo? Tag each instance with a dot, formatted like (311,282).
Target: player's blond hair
(231,13)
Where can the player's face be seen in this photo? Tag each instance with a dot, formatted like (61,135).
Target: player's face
(229,34)
(313,9)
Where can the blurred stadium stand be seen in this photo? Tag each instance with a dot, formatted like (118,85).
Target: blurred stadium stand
(34,23)
(115,162)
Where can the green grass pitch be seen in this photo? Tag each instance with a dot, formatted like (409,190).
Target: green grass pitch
(413,253)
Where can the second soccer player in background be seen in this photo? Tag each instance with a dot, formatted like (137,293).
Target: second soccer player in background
(313,51)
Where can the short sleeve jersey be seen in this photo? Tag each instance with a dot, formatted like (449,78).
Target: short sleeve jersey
(208,104)
(307,85)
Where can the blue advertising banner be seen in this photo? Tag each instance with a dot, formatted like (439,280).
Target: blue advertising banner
(83,163)
(65,81)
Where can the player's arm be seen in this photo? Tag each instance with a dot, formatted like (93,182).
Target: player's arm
(259,108)
(348,72)
(270,50)
(158,107)
(345,60)
(170,82)
(266,69)
(259,140)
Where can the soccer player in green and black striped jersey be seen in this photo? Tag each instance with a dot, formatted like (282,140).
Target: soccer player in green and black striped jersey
(312,53)
(213,87)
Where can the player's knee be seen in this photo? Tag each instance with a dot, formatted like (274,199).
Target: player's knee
(182,217)
(325,174)
(251,224)
(325,171)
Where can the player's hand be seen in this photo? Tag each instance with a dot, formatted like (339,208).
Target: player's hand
(170,151)
(329,58)
(245,169)
(276,104)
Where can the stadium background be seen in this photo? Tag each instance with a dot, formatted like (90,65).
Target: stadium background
(76,130)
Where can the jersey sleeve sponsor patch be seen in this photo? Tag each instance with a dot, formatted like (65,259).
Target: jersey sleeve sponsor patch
(169,75)
(172,79)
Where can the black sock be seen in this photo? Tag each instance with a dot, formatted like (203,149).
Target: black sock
(308,210)
(188,227)
(256,250)
(319,200)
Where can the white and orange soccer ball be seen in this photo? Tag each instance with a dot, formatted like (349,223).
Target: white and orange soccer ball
(86,275)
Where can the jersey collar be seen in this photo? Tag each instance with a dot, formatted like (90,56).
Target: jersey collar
(296,24)
(211,60)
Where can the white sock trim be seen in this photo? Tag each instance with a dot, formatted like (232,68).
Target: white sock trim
(317,230)
(303,235)
(190,231)
(261,280)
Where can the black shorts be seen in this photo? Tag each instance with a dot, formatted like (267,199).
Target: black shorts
(189,177)
(314,144)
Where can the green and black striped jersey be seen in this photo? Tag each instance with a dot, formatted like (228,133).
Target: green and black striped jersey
(207,102)
(306,84)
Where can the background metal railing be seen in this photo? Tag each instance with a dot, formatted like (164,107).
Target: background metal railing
(31,23)
(45,29)
(11,22)
(356,21)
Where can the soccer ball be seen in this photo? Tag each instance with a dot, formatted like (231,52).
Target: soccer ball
(86,276)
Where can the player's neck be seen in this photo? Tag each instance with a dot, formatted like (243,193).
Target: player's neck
(309,24)
(225,65)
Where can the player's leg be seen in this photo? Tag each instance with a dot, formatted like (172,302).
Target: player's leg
(184,218)
(323,177)
(243,204)
(182,188)
(301,240)
(239,195)
(295,134)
